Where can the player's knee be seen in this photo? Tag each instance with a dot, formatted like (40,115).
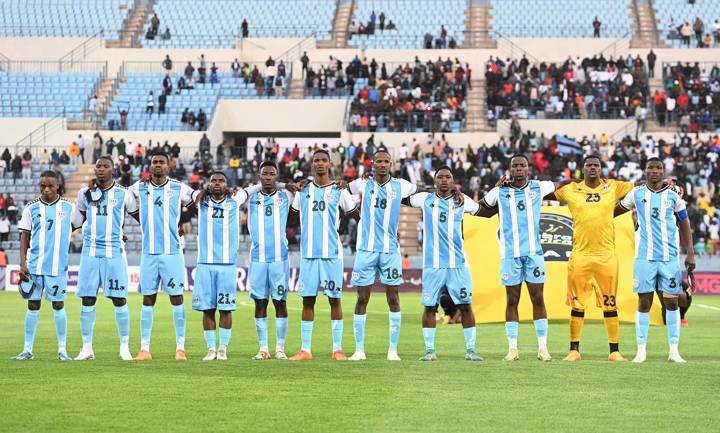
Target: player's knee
(537,298)
(309,302)
(363,298)
(393,300)
(431,310)
(645,302)
(512,300)
(671,302)
(280,308)
(58,305)
(176,300)
(119,302)
(33,305)
(149,300)
(88,301)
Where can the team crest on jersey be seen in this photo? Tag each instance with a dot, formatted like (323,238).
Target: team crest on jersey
(606,187)
(504,276)
(355,276)
(196,301)
(393,195)
(556,235)
(60,215)
(636,283)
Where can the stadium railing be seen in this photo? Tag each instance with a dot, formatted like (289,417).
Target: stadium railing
(406,122)
(81,52)
(36,139)
(44,31)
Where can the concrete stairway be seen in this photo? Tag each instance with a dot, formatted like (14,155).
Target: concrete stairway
(133,27)
(477,103)
(477,23)
(79,177)
(343,15)
(646,33)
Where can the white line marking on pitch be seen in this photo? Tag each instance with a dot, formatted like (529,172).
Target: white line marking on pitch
(709,307)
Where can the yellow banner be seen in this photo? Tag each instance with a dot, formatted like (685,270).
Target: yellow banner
(481,245)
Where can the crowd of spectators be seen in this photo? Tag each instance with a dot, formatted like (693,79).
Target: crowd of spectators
(591,88)
(428,96)
(695,34)
(691,98)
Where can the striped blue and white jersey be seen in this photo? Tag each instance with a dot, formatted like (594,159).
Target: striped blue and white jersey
(103,220)
(50,228)
(160,208)
(319,208)
(219,228)
(380,212)
(267,220)
(658,235)
(443,245)
(519,214)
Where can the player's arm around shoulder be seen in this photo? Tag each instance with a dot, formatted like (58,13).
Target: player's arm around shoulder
(487,207)
(416,200)
(625,205)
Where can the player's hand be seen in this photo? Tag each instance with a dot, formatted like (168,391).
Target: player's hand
(91,184)
(24,273)
(292,187)
(677,188)
(181,231)
(503,181)
(459,197)
(124,238)
(367,175)
(341,184)
(690,266)
(302,184)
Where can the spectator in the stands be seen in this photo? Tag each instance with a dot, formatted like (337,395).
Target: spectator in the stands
(235,68)
(202,70)
(381,19)
(92,108)
(81,145)
(596,27)
(213,75)
(651,58)
(74,151)
(686,32)
(189,71)
(699,29)
(391,25)
(245,28)
(204,145)
(166,34)
(184,118)
(162,101)
(27,165)
(155,24)
(4,228)
(97,145)
(167,64)
(110,147)
(150,106)
(7,158)
(167,84)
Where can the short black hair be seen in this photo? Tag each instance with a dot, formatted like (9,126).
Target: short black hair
(383,150)
(321,151)
(160,152)
(444,167)
(220,173)
(592,156)
(107,157)
(654,159)
(49,173)
(268,164)
(520,155)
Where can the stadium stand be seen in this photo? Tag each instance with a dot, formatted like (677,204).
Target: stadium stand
(63,18)
(415,22)
(46,94)
(550,18)
(134,94)
(217,23)
(593,88)
(673,15)
(694,91)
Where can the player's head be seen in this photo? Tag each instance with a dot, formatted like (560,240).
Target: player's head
(104,169)
(268,175)
(159,164)
(321,162)
(218,184)
(444,180)
(382,162)
(592,167)
(654,170)
(519,167)
(49,185)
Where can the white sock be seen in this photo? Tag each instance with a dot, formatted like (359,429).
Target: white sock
(512,343)
(145,347)
(180,346)
(542,343)
(641,348)
(87,347)
(674,349)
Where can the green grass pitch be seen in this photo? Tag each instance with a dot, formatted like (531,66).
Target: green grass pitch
(373,396)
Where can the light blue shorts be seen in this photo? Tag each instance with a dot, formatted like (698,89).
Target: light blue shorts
(457,280)
(269,280)
(651,275)
(515,270)
(54,287)
(317,273)
(168,268)
(110,273)
(369,263)
(215,287)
